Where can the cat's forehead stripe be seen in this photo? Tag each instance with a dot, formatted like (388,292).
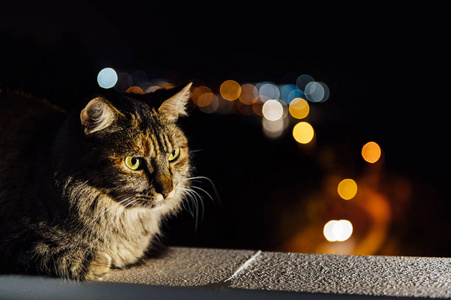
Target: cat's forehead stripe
(146,147)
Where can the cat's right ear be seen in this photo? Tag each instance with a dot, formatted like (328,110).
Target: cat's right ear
(98,115)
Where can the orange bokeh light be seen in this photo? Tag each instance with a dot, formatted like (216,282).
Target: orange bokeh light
(249,94)
(202,96)
(230,90)
(299,108)
(134,90)
(371,152)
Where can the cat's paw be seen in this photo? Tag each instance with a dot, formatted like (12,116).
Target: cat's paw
(99,268)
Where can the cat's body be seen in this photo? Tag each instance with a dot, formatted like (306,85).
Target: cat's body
(86,192)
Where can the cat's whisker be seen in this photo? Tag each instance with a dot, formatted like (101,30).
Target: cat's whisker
(188,206)
(201,189)
(202,179)
(196,201)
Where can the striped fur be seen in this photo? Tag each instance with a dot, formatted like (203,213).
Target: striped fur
(69,206)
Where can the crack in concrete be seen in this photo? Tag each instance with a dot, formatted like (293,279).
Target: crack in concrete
(244,265)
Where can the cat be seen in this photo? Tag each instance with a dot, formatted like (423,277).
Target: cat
(85,192)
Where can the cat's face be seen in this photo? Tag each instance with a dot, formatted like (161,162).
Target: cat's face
(138,154)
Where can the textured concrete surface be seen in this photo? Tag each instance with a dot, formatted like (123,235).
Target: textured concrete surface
(311,273)
(185,267)
(339,274)
(194,273)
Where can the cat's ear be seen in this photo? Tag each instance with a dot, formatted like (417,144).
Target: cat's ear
(175,106)
(98,114)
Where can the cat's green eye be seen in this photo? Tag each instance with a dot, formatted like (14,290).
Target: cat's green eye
(133,163)
(174,155)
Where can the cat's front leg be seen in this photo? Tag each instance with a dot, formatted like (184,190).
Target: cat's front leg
(99,267)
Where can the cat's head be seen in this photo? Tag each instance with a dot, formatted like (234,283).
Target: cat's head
(133,149)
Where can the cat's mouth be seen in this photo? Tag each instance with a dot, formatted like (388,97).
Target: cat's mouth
(156,202)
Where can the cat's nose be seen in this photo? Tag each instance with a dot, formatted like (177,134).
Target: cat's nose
(165,190)
(165,193)
(163,184)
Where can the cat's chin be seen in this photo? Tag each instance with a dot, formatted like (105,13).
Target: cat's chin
(157,206)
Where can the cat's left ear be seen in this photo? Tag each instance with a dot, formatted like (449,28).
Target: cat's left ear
(175,106)
(98,115)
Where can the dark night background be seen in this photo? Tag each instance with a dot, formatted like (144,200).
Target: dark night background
(385,67)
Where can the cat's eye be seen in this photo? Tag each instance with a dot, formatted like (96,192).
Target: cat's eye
(174,155)
(133,163)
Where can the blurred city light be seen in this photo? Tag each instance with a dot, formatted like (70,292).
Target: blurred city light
(268,90)
(272,110)
(201,96)
(107,78)
(124,81)
(326,91)
(371,152)
(303,80)
(347,189)
(210,101)
(230,90)
(314,91)
(273,129)
(287,91)
(249,94)
(299,108)
(303,133)
(337,230)
(134,90)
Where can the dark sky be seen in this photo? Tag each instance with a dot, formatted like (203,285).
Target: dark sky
(386,66)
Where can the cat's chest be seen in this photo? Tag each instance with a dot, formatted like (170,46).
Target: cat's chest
(131,239)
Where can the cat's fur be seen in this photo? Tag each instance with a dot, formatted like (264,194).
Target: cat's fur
(69,206)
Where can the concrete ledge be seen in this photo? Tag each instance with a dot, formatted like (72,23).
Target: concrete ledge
(205,273)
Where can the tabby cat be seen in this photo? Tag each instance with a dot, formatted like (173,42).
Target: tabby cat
(83,193)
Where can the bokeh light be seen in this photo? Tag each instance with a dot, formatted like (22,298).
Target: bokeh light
(210,101)
(303,80)
(338,230)
(286,91)
(326,91)
(124,81)
(303,133)
(249,94)
(107,78)
(299,108)
(134,90)
(314,91)
(273,129)
(347,189)
(371,152)
(201,96)
(268,90)
(272,110)
(230,90)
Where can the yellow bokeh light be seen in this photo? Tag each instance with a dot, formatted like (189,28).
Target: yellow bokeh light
(299,108)
(371,152)
(303,133)
(230,90)
(347,189)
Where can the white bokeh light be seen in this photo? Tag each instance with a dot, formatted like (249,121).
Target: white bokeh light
(107,78)
(337,231)
(272,110)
